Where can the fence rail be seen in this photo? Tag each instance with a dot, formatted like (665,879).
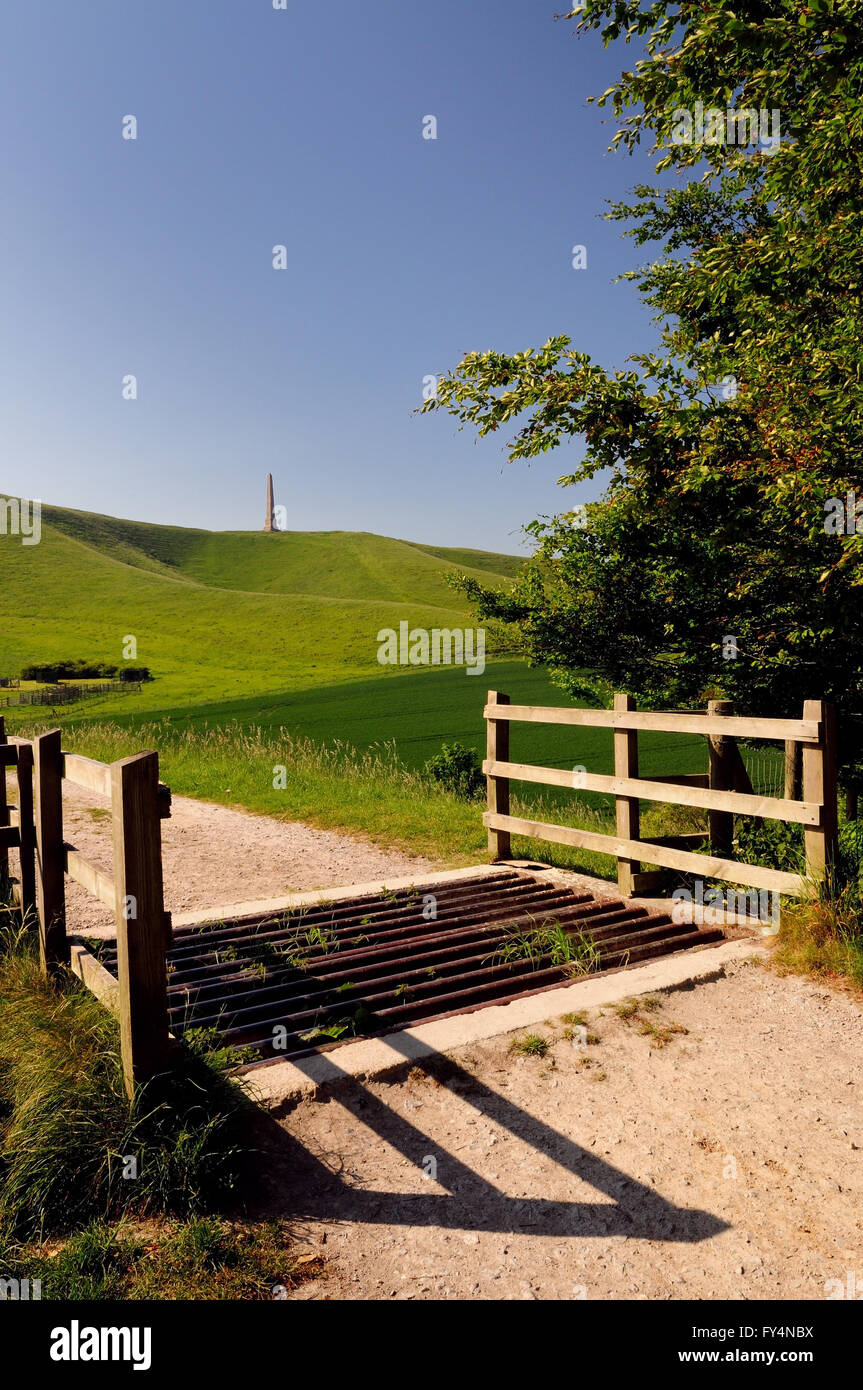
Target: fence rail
(139,802)
(17,829)
(725,791)
(670,722)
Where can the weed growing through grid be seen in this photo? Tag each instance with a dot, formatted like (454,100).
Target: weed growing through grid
(347,1026)
(548,944)
(295,953)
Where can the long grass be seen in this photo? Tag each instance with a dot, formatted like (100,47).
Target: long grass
(73,1147)
(824,937)
(369,793)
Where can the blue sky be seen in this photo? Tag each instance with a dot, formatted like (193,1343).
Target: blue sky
(301,127)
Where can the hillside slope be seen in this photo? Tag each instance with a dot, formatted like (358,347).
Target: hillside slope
(217,614)
(328,564)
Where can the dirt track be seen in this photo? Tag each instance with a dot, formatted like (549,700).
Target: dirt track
(726,1164)
(214,855)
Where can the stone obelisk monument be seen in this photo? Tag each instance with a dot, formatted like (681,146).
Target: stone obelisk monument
(268,524)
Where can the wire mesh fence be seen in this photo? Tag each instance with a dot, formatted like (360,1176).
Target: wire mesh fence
(766,769)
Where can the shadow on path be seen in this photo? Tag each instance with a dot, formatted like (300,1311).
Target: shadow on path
(298,1185)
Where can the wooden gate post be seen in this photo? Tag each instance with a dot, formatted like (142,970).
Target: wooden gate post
(140,918)
(626,807)
(4,809)
(26,831)
(721,752)
(50,881)
(497,788)
(819,785)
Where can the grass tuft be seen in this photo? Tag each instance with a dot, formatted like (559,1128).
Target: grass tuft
(639,1011)
(530,1045)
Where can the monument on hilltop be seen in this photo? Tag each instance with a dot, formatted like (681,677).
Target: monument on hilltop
(269,524)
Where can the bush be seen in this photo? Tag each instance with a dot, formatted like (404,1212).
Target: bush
(458,770)
(52,672)
(773,844)
(776,845)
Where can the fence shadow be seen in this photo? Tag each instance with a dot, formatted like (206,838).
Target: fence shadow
(299,1186)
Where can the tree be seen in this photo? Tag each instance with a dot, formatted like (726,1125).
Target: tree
(715,562)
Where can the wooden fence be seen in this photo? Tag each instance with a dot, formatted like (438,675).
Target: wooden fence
(724,791)
(17,829)
(139,802)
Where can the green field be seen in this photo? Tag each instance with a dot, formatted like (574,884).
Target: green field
(419,710)
(275,631)
(218,616)
(278,634)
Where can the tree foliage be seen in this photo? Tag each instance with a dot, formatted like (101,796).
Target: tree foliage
(713,525)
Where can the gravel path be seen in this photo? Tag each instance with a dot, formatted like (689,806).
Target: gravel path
(213,855)
(727,1163)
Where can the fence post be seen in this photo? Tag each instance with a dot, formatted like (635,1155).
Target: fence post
(50,881)
(4,809)
(721,752)
(626,807)
(26,830)
(140,918)
(819,785)
(497,788)
(792,770)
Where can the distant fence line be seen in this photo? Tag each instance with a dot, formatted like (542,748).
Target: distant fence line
(67,694)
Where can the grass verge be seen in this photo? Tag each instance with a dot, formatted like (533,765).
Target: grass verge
(369,793)
(824,937)
(72,1145)
(205,1257)
(104,1197)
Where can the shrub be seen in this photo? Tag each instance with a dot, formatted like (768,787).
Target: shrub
(458,770)
(52,672)
(773,843)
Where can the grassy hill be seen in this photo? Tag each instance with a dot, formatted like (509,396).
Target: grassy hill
(220,615)
(275,631)
(352,565)
(246,631)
